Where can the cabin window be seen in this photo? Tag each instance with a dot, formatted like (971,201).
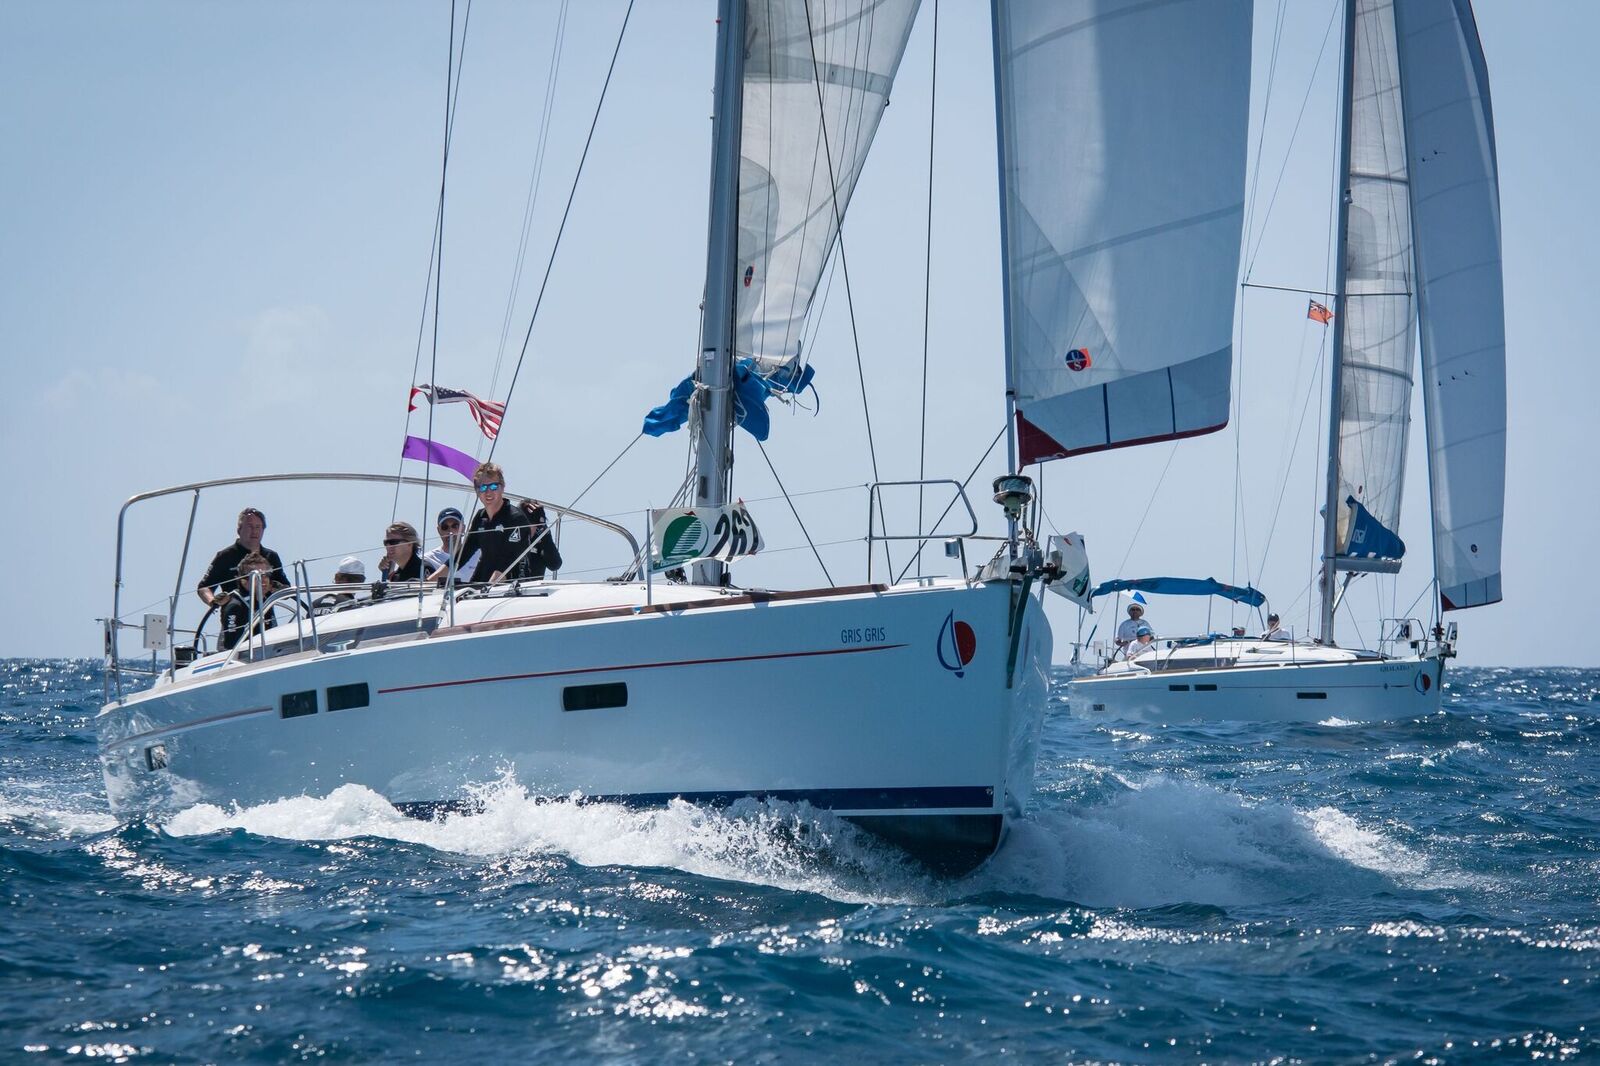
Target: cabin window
(1205,688)
(1177,688)
(344,697)
(296,704)
(594,697)
(1310,695)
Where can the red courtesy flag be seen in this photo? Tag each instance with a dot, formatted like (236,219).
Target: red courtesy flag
(485,413)
(1319,313)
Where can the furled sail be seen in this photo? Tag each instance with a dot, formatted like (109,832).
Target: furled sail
(1379,329)
(817,78)
(1122,129)
(1456,200)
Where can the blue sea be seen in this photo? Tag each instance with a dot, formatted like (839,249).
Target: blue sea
(1414,891)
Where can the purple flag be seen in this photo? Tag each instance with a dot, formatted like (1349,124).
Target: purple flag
(431,451)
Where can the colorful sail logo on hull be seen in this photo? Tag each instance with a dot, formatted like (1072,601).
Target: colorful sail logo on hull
(956,646)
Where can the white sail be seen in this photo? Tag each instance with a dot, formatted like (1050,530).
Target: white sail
(817,78)
(1375,364)
(1456,201)
(1122,155)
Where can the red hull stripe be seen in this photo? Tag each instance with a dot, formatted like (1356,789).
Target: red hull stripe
(640,666)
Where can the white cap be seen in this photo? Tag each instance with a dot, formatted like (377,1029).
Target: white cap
(351,566)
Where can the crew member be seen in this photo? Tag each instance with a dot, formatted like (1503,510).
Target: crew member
(499,534)
(247,596)
(437,561)
(401,560)
(1274,630)
(1129,629)
(222,576)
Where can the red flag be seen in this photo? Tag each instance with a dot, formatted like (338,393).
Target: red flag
(1319,313)
(484,412)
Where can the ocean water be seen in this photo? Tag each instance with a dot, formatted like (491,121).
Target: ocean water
(1423,890)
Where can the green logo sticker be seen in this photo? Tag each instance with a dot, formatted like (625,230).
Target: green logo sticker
(684,539)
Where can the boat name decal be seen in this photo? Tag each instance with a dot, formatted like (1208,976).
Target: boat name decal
(863,635)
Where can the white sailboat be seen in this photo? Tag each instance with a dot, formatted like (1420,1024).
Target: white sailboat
(1418,243)
(912,708)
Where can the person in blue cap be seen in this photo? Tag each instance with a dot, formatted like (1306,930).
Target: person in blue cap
(438,560)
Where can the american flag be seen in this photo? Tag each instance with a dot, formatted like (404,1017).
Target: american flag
(484,412)
(1318,313)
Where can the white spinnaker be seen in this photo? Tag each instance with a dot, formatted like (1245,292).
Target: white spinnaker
(1375,365)
(1456,203)
(1122,157)
(790,133)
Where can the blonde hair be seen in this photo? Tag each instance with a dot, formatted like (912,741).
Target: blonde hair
(487,472)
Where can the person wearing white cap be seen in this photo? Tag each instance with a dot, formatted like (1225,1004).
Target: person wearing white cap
(350,571)
(1129,629)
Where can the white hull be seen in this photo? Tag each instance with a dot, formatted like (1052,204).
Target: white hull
(846,699)
(1308,684)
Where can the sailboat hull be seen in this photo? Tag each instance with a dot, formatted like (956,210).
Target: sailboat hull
(860,702)
(1354,690)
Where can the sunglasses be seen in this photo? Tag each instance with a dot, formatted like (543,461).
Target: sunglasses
(392,543)
(449,527)
(492,486)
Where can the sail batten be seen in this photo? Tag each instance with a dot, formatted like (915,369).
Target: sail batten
(1123,130)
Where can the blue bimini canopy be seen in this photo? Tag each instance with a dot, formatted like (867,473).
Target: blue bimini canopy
(1184,586)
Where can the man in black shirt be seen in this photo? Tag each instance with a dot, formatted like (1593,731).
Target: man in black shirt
(222,576)
(499,531)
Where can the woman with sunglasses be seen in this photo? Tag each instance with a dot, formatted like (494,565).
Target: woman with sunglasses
(402,559)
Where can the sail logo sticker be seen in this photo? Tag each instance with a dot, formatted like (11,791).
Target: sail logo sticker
(956,646)
(683,540)
(1078,359)
(1423,683)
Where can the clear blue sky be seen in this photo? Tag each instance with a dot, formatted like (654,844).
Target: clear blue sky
(216,232)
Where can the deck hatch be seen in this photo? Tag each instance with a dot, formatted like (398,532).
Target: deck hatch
(344,697)
(297,704)
(594,697)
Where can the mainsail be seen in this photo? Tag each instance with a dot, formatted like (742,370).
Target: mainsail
(1122,128)
(817,76)
(1379,328)
(1456,203)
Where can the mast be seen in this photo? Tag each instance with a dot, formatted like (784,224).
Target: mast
(1005,275)
(1331,502)
(713,430)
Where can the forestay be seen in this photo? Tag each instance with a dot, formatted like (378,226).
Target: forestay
(1379,327)
(1456,199)
(817,78)
(1122,154)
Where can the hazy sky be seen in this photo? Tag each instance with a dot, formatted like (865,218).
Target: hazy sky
(216,231)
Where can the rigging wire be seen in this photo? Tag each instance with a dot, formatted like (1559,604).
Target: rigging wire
(452,93)
(565,214)
(927,280)
(796,514)
(535,182)
(452,97)
(844,267)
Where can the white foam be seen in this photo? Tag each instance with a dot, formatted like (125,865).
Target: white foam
(775,844)
(46,819)
(1169,841)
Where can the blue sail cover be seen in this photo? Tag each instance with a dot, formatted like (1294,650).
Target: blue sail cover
(1184,586)
(1370,538)
(750,392)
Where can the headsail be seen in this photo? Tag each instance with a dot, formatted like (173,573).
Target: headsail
(1122,130)
(816,80)
(1456,198)
(1379,334)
